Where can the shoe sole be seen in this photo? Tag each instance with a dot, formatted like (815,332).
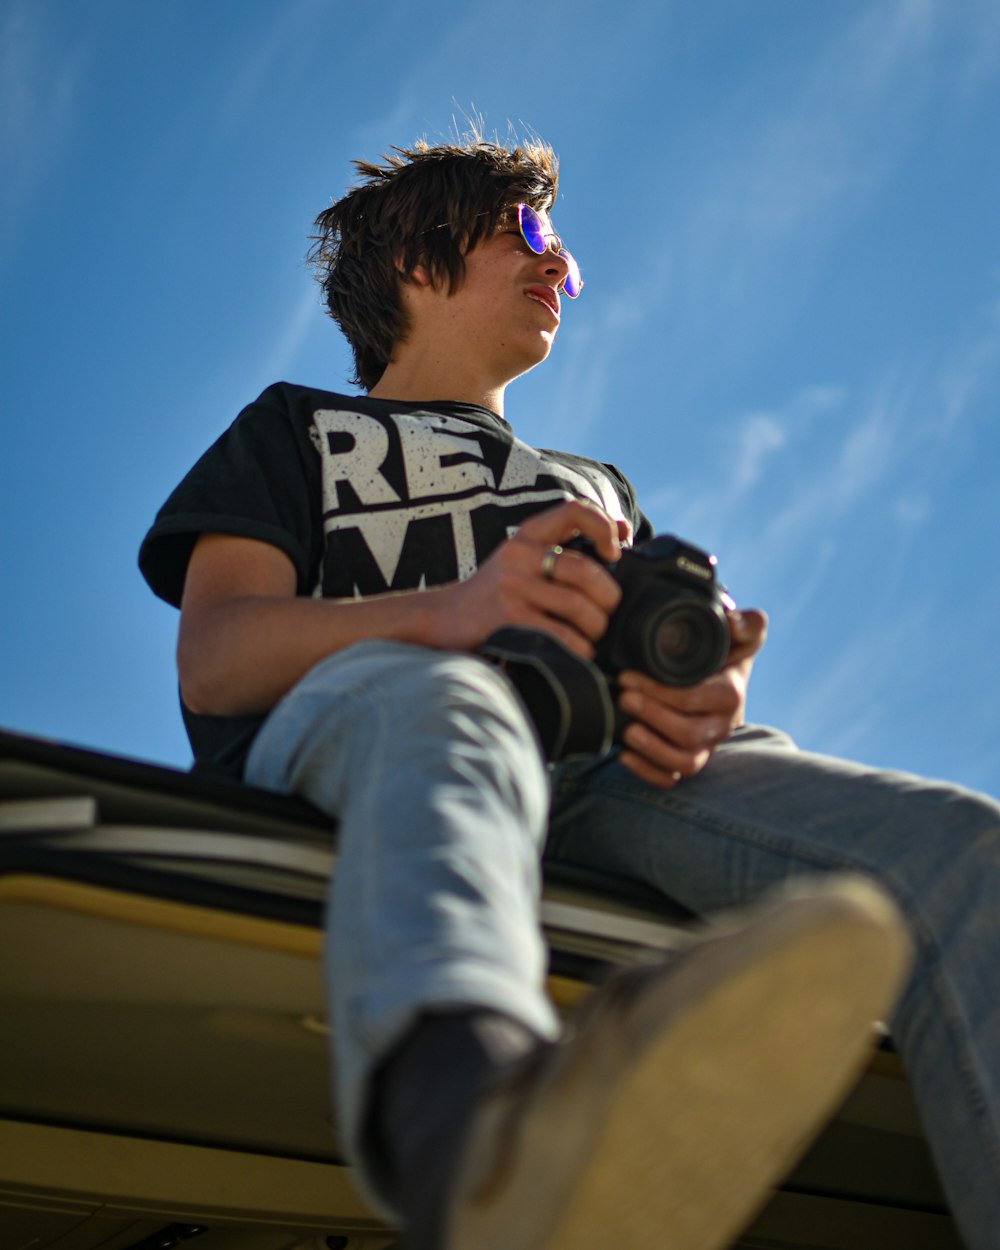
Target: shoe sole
(754,1036)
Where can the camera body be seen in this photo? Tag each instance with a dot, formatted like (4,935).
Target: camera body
(671,620)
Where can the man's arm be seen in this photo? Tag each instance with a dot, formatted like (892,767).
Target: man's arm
(245,637)
(675,730)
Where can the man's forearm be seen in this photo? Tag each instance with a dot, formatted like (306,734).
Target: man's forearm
(246,638)
(241,656)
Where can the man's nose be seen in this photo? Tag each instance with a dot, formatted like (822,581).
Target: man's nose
(554,263)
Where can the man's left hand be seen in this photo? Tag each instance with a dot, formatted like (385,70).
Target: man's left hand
(675,729)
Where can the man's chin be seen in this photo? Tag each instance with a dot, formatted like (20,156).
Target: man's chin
(528,359)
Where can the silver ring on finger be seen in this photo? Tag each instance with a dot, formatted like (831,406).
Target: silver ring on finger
(549,559)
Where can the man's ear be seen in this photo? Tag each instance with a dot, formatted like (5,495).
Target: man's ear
(419,275)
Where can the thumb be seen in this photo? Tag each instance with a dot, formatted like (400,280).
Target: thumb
(748,628)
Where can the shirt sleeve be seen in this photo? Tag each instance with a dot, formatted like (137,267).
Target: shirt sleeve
(641,527)
(258,480)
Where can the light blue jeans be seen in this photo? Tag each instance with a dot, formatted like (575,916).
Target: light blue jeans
(445,809)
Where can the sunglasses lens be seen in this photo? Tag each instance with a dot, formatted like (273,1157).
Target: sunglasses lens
(573,282)
(532,228)
(537,238)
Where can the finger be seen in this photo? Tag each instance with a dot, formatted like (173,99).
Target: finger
(690,733)
(719,695)
(562,631)
(748,631)
(642,768)
(569,605)
(580,591)
(574,569)
(661,755)
(566,520)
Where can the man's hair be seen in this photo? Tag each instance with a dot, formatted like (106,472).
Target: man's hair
(426,205)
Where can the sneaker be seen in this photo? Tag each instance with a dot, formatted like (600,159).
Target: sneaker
(685,1091)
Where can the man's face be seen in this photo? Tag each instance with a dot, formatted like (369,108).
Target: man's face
(506,310)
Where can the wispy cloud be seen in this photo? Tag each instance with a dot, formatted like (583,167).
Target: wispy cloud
(753,222)
(973,363)
(833,136)
(41,72)
(288,24)
(841,501)
(280,360)
(765,445)
(578,396)
(978,61)
(773,183)
(849,697)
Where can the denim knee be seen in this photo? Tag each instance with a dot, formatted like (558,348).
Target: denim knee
(404,703)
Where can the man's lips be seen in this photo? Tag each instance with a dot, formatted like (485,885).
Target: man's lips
(545,295)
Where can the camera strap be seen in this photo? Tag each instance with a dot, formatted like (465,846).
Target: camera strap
(567,697)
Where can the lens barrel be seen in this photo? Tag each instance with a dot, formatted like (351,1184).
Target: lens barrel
(676,639)
(670,622)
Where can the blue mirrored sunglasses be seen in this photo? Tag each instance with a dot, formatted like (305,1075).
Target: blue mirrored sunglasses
(540,240)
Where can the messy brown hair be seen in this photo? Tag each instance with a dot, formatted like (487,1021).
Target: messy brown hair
(425,205)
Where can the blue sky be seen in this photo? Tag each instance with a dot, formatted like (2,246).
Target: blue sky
(788,216)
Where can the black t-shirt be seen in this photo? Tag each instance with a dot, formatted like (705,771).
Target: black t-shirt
(364,496)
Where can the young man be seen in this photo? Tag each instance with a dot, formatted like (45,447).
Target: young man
(339,561)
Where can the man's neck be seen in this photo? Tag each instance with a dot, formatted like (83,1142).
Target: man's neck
(416,390)
(423,385)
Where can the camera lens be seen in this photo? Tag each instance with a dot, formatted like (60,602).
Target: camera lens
(677,639)
(682,642)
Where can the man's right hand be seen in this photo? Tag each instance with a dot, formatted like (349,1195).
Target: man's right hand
(573,600)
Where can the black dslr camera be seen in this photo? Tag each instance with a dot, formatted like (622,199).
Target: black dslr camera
(671,622)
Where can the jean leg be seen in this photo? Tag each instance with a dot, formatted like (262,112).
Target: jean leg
(762,812)
(426,760)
